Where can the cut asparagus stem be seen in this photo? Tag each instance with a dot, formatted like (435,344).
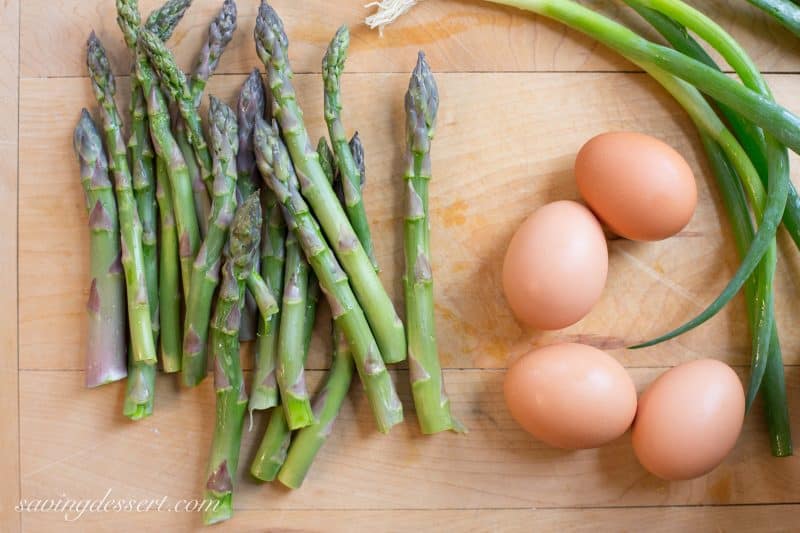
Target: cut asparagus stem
(271,45)
(308,441)
(169,275)
(180,181)
(291,378)
(425,372)
(107,350)
(139,391)
(274,444)
(251,104)
(205,271)
(276,168)
(140,153)
(220,33)
(264,392)
(174,81)
(332,67)
(228,379)
(132,257)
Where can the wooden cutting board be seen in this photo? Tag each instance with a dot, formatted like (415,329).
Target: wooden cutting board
(519,95)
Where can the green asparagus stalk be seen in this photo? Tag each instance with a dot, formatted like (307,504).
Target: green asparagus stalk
(308,441)
(174,81)
(162,22)
(169,275)
(264,392)
(205,271)
(140,153)
(220,33)
(291,378)
(251,104)
(276,168)
(275,443)
(103,84)
(271,45)
(332,67)
(202,200)
(180,181)
(106,352)
(427,382)
(228,378)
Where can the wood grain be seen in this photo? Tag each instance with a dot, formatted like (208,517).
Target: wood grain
(9,353)
(75,443)
(458,35)
(520,94)
(727,519)
(505,145)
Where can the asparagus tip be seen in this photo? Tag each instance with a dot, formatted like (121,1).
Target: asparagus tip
(269,31)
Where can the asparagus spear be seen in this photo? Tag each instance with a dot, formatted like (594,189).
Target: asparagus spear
(205,271)
(228,379)
(180,180)
(103,84)
(220,33)
(276,168)
(106,352)
(332,67)
(140,153)
(309,440)
(271,45)
(264,392)
(274,445)
(163,21)
(202,201)
(291,356)
(251,104)
(173,80)
(427,382)
(169,275)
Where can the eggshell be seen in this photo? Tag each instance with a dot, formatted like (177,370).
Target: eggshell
(570,396)
(639,186)
(689,419)
(555,266)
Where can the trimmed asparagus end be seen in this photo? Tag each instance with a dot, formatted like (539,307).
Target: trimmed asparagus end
(273,449)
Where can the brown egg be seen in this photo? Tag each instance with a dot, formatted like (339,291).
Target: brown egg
(689,419)
(556,265)
(639,186)
(570,396)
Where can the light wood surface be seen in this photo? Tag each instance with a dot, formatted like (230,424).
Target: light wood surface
(519,97)
(10,520)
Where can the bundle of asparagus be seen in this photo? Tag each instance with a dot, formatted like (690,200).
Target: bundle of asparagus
(171,231)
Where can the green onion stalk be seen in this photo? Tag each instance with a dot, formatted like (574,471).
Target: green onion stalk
(767,361)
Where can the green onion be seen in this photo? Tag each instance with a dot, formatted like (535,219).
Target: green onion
(784,11)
